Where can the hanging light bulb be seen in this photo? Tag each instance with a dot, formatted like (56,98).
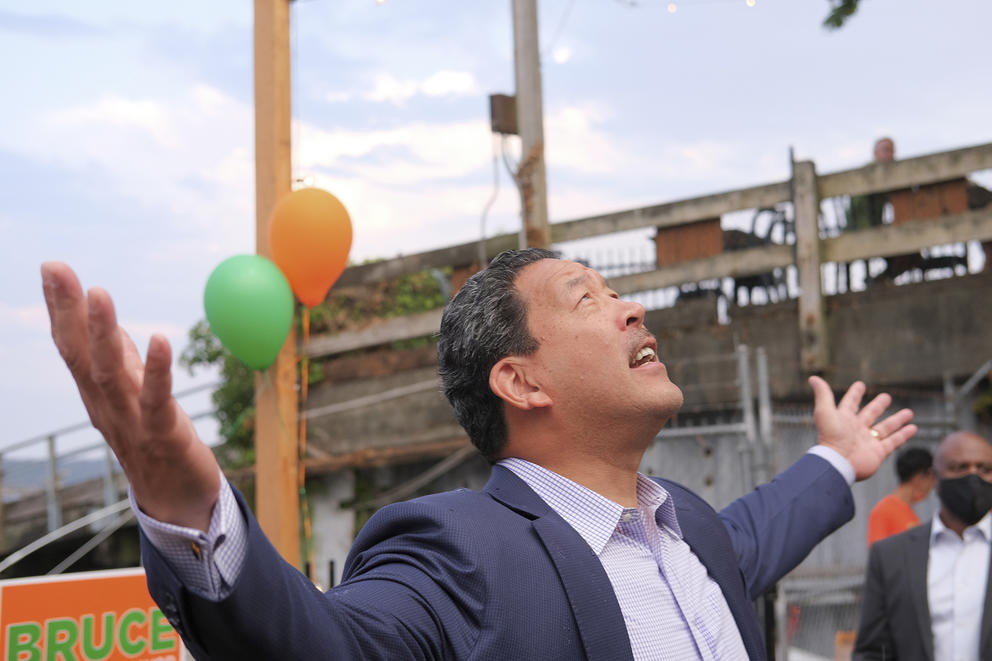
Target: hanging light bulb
(751,3)
(672,8)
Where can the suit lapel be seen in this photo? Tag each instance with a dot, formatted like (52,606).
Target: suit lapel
(917,558)
(588,588)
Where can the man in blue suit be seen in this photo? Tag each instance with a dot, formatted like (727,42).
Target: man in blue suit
(568,552)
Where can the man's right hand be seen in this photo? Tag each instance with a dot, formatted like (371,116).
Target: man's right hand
(174,476)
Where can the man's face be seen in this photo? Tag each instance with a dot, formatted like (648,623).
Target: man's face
(595,358)
(921,484)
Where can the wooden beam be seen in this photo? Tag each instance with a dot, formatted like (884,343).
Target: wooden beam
(909,172)
(908,237)
(277,502)
(400,328)
(671,213)
(733,264)
(813,353)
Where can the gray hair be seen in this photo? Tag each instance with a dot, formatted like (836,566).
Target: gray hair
(485,322)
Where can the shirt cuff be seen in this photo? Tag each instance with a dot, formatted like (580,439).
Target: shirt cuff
(208,563)
(837,460)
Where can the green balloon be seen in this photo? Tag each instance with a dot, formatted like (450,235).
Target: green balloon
(249,306)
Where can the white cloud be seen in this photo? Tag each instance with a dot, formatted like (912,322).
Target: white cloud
(416,152)
(338,97)
(189,154)
(26,317)
(575,141)
(450,83)
(122,114)
(390,89)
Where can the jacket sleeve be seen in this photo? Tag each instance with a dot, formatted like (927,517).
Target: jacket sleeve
(874,641)
(774,527)
(409,593)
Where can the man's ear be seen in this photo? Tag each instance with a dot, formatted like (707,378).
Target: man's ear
(512,382)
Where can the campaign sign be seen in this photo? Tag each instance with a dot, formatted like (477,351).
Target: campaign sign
(88,616)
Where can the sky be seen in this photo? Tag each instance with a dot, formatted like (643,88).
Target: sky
(126,146)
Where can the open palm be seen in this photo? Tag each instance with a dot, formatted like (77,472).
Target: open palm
(856,432)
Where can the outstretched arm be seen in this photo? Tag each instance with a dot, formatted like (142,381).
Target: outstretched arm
(173,475)
(774,527)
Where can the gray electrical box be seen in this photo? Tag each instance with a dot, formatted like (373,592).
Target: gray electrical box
(503,113)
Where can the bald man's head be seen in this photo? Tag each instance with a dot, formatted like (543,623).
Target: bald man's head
(964,452)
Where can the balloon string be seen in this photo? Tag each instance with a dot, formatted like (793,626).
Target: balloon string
(304,390)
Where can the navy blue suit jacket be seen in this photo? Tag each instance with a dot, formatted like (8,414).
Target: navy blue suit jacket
(495,574)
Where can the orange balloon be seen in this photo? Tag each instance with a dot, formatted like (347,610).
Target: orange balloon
(310,237)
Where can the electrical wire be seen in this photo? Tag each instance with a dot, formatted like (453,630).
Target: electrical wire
(549,46)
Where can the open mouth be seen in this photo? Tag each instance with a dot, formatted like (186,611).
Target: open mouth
(643,356)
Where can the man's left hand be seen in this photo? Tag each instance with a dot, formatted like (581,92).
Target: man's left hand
(855,432)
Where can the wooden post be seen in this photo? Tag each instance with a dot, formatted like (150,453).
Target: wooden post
(277,501)
(535,233)
(813,344)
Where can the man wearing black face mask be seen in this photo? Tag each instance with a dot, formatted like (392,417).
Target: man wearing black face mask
(926,592)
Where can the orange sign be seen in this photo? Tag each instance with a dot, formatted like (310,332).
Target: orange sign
(89,616)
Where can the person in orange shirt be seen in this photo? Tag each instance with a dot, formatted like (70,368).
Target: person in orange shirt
(894,514)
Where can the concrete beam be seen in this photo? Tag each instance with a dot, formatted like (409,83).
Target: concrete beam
(671,213)
(733,264)
(909,172)
(908,237)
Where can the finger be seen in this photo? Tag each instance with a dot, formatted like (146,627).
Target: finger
(875,408)
(900,436)
(156,391)
(823,396)
(68,316)
(107,352)
(852,398)
(893,423)
(132,358)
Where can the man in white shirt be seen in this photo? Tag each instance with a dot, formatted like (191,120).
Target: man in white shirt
(926,592)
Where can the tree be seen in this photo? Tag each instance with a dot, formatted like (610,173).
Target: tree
(840,11)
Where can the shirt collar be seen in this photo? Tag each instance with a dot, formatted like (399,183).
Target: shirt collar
(592,515)
(984,527)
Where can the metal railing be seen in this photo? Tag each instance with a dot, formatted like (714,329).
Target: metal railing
(52,483)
